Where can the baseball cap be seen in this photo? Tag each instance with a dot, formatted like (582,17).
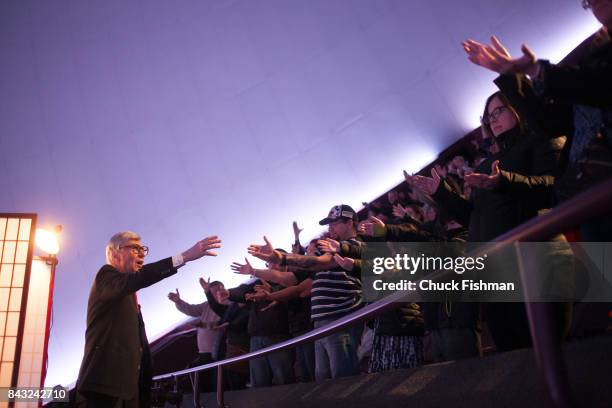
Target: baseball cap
(337,212)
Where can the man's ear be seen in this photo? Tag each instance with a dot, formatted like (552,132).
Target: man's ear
(113,255)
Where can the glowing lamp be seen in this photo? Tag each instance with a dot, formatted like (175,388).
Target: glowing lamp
(47,240)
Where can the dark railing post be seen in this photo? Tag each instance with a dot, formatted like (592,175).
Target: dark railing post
(176,390)
(195,385)
(220,396)
(545,336)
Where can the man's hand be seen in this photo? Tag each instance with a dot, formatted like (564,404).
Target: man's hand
(257,296)
(484,181)
(205,284)
(345,263)
(410,314)
(265,252)
(496,58)
(427,185)
(297,230)
(373,227)
(399,211)
(174,297)
(202,248)
(243,269)
(265,285)
(328,245)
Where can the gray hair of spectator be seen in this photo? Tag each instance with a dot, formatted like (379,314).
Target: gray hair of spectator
(117,241)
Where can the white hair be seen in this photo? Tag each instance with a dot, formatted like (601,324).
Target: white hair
(116,241)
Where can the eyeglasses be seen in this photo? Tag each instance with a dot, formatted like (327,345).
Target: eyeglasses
(493,115)
(137,248)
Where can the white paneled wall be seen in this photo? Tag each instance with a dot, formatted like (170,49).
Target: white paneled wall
(182,118)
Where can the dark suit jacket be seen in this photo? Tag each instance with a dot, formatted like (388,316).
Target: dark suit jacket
(115,340)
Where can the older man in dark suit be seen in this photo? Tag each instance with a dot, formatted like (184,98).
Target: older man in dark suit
(116,369)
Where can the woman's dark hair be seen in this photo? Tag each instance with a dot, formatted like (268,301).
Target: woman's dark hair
(487,124)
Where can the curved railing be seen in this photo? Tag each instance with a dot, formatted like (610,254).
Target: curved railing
(593,203)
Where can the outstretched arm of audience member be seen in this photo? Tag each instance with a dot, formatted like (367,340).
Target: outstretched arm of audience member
(311,263)
(296,247)
(576,85)
(482,180)
(495,57)
(184,307)
(331,246)
(272,275)
(302,289)
(572,84)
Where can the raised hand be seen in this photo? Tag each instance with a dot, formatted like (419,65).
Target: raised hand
(202,248)
(496,58)
(427,185)
(345,263)
(174,297)
(328,245)
(265,252)
(205,284)
(410,313)
(372,227)
(408,178)
(243,269)
(484,181)
(265,285)
(399,211)
(257,296)
(297,230)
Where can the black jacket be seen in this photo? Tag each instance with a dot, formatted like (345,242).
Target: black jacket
(572,98)
(117,361)
(270,323)
(237,317)
(490,213)
(393,323)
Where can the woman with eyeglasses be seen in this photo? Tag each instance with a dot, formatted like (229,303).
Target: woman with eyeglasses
(490,211)
(575,94)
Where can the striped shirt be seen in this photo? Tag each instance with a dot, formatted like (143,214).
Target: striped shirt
(334,293)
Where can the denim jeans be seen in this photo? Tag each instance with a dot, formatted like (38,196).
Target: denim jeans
(305,355)
(278,364)
(336,354)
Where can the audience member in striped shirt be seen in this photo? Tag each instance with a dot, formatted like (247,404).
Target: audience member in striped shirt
(335,292)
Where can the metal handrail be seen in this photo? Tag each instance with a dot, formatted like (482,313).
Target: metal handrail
(592,203)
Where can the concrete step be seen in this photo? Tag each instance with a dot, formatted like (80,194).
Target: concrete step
(506,379)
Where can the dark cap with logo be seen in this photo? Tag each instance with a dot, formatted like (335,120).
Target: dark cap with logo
(338,212)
